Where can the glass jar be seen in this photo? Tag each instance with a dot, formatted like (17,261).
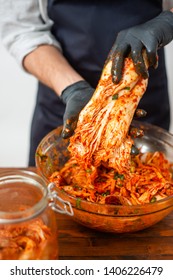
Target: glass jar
(28,222)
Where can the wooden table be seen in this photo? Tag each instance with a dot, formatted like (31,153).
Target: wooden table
(79,242)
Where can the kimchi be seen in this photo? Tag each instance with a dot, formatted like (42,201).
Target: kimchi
(101,135)
(27,241)
(101,168)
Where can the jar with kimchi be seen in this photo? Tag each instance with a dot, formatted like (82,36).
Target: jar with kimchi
(28,223)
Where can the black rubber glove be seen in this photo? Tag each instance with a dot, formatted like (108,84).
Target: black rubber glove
(75,96)
(149,36)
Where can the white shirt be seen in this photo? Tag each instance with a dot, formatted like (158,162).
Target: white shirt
(24,25)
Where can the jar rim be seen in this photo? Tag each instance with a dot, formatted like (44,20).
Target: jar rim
(31,212)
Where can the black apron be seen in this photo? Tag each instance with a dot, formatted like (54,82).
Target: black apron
(86,31)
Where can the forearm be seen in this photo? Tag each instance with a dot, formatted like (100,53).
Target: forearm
(49,66)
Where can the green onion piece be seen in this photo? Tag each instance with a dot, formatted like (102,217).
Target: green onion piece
(115,96)
(88,170)
(78,201)
(121,176)
(128,88)
(153,199)
(117,175)
(106,193)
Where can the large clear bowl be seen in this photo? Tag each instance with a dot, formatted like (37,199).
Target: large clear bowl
(51,155)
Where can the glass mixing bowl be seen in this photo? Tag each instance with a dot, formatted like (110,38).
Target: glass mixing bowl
(51,155)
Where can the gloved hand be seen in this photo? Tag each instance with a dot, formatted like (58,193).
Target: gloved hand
(75,96)
(149,36)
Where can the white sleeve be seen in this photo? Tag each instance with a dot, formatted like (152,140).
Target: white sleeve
(167,4)
(24,26)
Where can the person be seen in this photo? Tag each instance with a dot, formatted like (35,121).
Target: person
(65,44)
